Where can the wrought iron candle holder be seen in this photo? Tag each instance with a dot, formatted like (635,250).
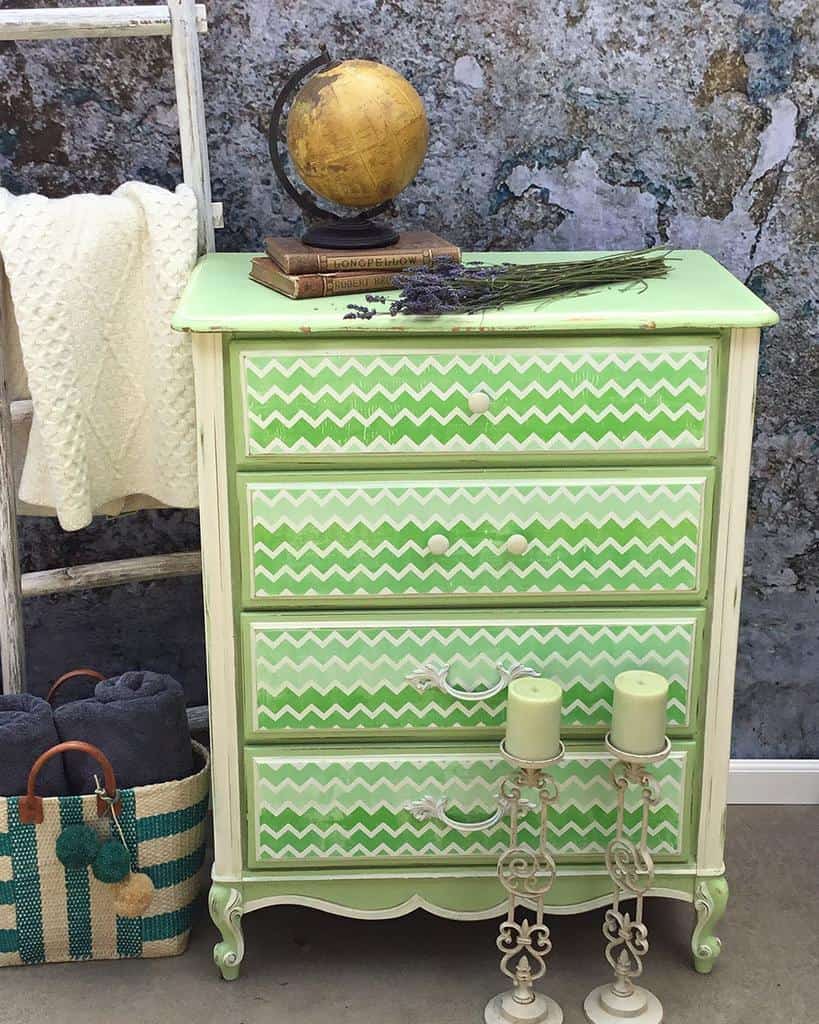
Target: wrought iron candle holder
(526,875)
(631,869)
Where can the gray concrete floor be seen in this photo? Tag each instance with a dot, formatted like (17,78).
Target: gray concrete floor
(310,968)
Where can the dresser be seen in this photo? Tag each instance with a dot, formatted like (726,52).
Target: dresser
(399,516)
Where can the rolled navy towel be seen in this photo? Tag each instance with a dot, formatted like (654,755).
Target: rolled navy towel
(26,731)
(138,720)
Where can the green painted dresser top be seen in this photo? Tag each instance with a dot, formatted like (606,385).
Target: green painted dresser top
(698,293)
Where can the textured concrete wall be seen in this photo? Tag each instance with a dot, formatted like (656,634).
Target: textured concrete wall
(570,123)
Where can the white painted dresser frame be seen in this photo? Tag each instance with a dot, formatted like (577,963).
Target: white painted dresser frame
(228,871)
(182,20)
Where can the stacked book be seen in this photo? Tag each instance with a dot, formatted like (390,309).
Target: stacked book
(305,272)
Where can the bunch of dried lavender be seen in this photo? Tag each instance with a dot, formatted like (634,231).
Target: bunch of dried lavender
(449,287)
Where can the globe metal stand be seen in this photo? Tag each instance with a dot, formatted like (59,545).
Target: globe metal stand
(326,229)
(525,875)
(631,868)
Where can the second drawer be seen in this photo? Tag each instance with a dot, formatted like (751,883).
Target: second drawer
(416,674)
(400,538)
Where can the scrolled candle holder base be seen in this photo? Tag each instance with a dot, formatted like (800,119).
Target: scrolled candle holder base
(505,1009)
(631,869)
(526,875)
(603,1005)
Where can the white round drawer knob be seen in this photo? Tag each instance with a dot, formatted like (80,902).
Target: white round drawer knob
(517,544)
(437,544)
(479,402)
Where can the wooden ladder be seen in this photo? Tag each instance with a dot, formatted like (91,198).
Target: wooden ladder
(182,20)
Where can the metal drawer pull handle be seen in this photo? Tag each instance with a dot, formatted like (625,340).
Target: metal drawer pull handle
(435,676)
(430,808)
(517,544)
(479,402)
(438,544)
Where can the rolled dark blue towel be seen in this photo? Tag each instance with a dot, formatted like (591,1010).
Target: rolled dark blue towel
(26,731)
(138,720)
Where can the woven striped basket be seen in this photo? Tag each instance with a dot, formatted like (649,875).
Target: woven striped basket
(50,913)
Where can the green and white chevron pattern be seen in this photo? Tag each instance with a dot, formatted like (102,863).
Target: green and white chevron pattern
(323,806)
(353,675)
(370,538)
(612,399)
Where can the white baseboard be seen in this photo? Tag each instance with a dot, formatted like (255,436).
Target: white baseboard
(773,782)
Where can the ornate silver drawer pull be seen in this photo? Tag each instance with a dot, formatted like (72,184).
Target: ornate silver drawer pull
(435,676)
(432,807)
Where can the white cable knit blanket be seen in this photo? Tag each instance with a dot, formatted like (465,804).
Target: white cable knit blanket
(94,281)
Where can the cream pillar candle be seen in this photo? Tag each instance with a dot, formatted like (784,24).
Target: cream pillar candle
(533,719)
(639,713)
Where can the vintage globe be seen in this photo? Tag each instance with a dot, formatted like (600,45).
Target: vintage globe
(357,133)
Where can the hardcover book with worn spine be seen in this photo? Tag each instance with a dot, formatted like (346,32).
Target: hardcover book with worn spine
(413,249)
(315,286)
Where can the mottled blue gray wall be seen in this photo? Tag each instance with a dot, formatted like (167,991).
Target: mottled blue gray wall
(571,123)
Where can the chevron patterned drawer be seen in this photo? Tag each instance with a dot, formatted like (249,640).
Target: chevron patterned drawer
(415,674)
(306,805)
(610,398)
(318,539)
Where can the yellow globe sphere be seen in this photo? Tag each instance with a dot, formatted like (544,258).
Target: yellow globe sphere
(357,133)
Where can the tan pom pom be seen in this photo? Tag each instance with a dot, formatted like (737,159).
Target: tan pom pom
(133,895)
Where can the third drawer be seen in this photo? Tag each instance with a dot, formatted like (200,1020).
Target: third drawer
(347,675)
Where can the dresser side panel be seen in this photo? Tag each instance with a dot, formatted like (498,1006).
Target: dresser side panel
(214,487)
(728,557)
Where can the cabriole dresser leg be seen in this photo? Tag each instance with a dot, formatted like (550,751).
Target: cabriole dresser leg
(710,899)
(226,911)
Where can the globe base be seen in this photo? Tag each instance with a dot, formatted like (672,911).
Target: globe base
(350,233)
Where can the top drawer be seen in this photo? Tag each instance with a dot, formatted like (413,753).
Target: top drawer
(601,398)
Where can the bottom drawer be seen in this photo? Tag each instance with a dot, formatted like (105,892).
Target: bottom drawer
(341,804)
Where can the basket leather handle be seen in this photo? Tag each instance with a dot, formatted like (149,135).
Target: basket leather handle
(30,807)
(91,673)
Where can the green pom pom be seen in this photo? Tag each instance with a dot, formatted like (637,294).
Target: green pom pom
(112,863)
(77,846)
